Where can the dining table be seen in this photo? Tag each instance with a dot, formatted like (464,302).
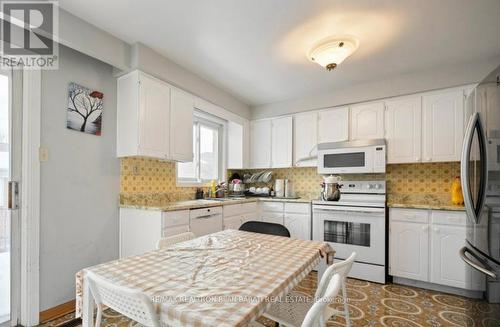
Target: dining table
(224,279)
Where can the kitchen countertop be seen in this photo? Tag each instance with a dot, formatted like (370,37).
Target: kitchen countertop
(412,201)
(425,201)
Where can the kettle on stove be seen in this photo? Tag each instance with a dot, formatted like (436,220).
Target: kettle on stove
(331,188)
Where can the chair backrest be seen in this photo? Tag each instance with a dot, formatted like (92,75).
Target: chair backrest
(265,228)
(320,312)
(167,241)
(341,268)
(131,303)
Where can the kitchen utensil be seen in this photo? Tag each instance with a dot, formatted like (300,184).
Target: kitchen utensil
(279,187)
(331,189)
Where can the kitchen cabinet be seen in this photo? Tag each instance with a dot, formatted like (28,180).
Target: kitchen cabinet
(409,250)
(140,229)
(403,129)
(443,125)
(260,143)
(305,139)
(235,145)
(236,215)
(154,119)
(297,219)
(424,246)
(333,125)
(181,126)
(281,142)
(367,121)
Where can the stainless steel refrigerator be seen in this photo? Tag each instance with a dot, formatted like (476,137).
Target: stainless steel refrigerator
(480,175)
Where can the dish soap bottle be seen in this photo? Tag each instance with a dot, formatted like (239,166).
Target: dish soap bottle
(457,197)
(213,188)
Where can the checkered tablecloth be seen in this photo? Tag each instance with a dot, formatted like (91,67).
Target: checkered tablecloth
(224,279)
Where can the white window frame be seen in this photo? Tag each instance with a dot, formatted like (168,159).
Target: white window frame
(203,118)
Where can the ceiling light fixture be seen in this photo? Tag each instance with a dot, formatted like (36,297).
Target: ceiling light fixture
(330,52)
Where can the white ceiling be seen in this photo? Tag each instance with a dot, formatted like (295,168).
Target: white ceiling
(256,49)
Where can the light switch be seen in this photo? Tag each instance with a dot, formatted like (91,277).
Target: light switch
(44,154)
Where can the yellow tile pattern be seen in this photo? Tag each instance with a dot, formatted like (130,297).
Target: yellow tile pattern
(146,176)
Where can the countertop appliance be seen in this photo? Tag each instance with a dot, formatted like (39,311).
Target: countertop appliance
(480,182)
(357,222)
(352,157)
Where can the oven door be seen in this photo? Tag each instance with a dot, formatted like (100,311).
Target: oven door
(346,160)
(352,229)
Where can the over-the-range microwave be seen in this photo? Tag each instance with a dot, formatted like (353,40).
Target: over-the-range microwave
(353,157)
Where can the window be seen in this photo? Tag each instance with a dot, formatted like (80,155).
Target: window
(207,145)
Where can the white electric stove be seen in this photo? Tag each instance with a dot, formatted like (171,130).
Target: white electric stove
(355,223)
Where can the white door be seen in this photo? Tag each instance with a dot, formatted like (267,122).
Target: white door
(403,128)
(181,126)
(154,118)
(446,266)
(443,125)
(333,125)
(299,226)
(260,144)
(281,145)
(409,250)
(10,170)
(305,139)
(367,121)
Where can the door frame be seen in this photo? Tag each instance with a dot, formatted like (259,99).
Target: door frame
(30,199)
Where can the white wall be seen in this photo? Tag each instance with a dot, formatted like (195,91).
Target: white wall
(79,183)
(383,87)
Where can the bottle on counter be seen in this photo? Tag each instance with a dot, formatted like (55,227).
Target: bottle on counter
(457,197)
(213,188)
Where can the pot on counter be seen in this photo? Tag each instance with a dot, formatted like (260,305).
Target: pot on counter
(331,188)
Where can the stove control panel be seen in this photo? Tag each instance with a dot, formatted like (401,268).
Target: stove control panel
(377,187)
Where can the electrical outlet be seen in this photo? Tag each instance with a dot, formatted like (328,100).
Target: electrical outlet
(135,170)
(43,154)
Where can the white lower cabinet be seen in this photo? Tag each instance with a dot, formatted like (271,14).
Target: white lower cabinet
(236,215)
(296,217)
(141,229)
(424,246)
(409,250)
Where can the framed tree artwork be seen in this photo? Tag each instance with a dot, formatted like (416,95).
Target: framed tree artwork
(84,111)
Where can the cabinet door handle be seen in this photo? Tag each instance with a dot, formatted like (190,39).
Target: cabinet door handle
(425,228)
(435,229)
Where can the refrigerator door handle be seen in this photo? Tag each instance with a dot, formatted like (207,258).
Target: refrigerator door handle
(485,269)
(475,124)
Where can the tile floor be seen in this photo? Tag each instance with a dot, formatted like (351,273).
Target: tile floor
(373,304)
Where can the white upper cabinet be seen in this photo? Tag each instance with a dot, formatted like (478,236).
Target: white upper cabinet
(333,125)
(154,119)
(260,143)
(403,130)
(181,126)
(443,125)
(281,145)
(143,118)
(234,145)
(305,139)
(367,121)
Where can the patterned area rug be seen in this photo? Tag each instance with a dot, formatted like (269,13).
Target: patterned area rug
(372,304)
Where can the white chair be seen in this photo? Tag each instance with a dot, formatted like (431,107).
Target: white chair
(129,302)
(293,313)
(171,240)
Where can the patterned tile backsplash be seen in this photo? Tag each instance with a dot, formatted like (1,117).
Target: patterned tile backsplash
(150,176)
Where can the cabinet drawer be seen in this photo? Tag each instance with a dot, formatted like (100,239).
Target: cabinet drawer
(270,217)
(304,208)
(196,213)
(272,206)
(409,215)
(249,207)
(443,217)
(170,231)
(175,218)
(232,210)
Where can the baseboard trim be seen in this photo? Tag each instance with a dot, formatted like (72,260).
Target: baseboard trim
(439,288)
(57,311)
